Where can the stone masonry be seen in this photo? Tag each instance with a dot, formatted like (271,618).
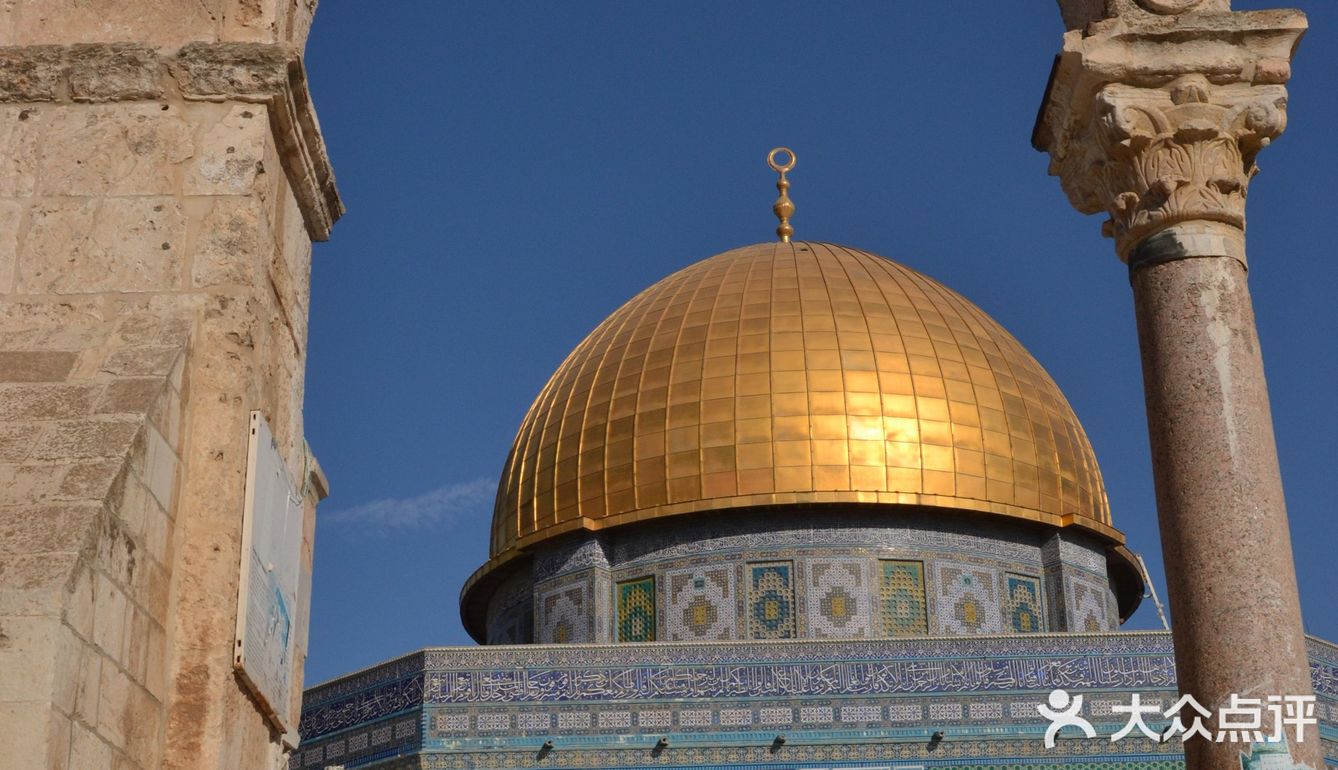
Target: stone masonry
(162,177)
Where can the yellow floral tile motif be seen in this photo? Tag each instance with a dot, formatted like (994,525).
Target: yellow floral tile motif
(967,600)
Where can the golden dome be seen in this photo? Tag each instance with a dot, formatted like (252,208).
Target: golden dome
(787,373)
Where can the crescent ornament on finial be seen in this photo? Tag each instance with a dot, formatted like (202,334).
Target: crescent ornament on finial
(783,207)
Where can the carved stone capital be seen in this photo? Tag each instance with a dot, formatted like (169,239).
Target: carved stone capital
(1172,137)
(1079,13)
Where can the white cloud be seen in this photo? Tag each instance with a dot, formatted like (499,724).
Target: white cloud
(439,506)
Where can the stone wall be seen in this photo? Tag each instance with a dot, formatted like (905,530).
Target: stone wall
(157,209)
(88,509)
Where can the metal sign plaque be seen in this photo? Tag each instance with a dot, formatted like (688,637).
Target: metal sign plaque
(270,576)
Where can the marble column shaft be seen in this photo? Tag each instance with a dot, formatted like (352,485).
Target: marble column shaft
(1236,616)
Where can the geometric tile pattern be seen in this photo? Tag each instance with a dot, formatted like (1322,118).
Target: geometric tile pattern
(838,598)
(480,707)
(1022,604)
(771,601)
(701,577)
(636,610)
(966,599)
(699,604)
(901,595)
(1087,606)
(564,615)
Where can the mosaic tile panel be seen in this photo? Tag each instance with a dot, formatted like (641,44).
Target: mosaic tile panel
(699,604)
(577,552)
(966,599)
(1087,603)
(901,598)
(832,558)
(771,601)
(564,615)
(775,716)
(636,610)
(1022,604)
(655,718)
(909,533)
(838,598)
(485,707)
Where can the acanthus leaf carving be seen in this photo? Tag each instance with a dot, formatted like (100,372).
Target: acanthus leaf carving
(1185,151)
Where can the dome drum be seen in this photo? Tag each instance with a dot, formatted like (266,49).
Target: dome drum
(799,572)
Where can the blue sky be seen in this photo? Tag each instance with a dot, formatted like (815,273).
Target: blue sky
(515,171)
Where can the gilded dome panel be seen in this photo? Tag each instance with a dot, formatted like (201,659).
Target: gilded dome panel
(795,373)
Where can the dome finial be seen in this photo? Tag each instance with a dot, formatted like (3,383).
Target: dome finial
(784,207)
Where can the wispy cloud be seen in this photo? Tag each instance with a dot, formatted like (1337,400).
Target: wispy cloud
(439,506)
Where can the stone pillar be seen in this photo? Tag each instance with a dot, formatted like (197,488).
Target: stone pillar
(1154,115)
(162,177)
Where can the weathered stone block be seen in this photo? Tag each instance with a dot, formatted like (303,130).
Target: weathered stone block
(155,676)
(158,529)
(91,480)
(120,149)
(65,323)
(32,572)
(25,529)
(165,415)
(141,361)
(21,129)
(27,648)
(16,441)
(109,618)
(80,602)
(233,237)
(230,153)
(29,484)
(58,741)
(65,653)
(132,505)
(114,698)
(87,749)
(140,723)
(30,74)
(118,554)
(120,71)
(153,585)
(23,734)
(130,395)
(232,69)
(160,23)
(29,601)
(36,366)
(88,693)
(113,244)
(136,654)
(87,438)
(11,215)
(161,469)
(46,401)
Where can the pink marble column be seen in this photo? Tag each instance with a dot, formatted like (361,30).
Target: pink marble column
(1236,616)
